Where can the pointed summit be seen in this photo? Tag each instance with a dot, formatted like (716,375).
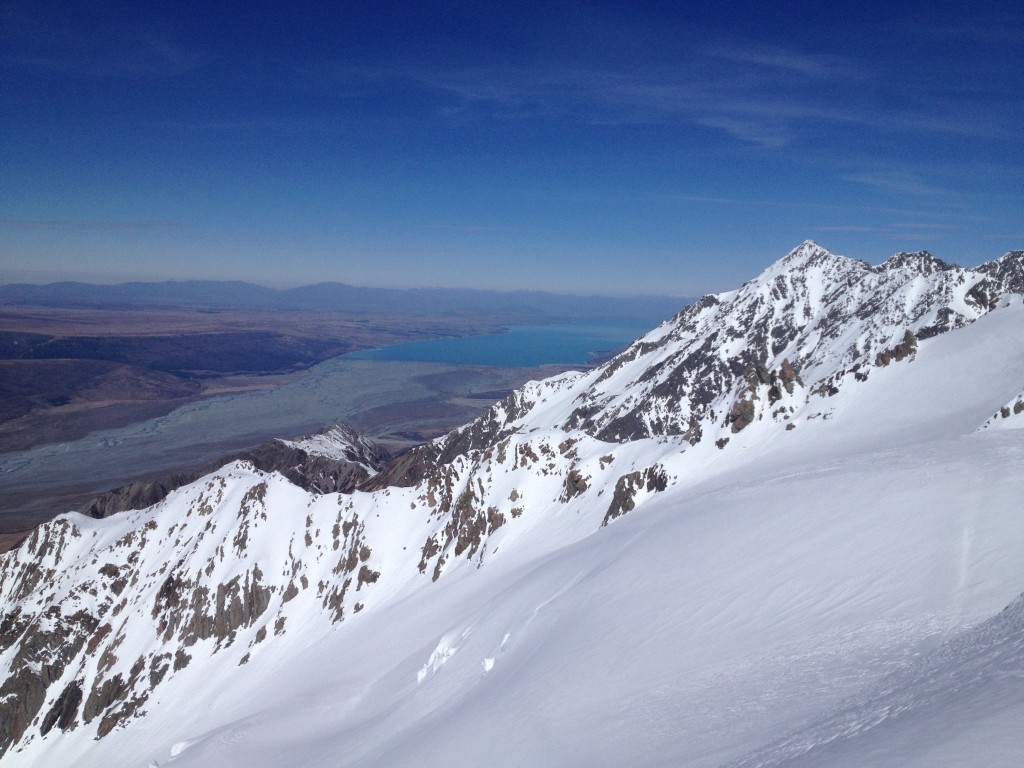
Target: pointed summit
(808,246)
(807,251)
(805,259)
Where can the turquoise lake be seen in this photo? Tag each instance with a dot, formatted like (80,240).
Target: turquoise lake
(392,382)
(521,346)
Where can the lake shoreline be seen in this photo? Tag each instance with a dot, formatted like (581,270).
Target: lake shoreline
(400,402)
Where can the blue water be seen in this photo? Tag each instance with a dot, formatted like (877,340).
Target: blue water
(521,346)
(335,390)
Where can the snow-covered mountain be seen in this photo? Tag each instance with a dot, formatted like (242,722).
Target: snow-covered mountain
(773,351)
(813,500)
(335,459)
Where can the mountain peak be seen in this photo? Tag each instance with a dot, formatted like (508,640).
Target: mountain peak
(808,250)
(805,258)
(808,245)
(921,262)
(1008,270)
(810,324)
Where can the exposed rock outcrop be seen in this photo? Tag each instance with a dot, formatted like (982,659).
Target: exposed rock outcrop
(1007,271)
(334,460)
(906,348)
(652,480)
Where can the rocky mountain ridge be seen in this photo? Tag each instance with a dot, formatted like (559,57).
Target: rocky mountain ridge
(335,459)
(772,351)
(101,616)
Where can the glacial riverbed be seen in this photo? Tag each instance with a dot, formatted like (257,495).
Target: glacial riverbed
(401,400)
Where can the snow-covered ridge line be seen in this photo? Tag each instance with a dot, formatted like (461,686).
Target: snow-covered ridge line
(808,321)
(772,352)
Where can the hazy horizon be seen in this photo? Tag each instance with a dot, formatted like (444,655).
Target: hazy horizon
(39,278)
(11,278)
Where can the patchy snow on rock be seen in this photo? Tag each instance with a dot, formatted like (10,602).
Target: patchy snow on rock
(1009,416)
(339,442)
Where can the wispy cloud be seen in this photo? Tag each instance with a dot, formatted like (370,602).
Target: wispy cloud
(767,97)
(96,42)
(817,66)
(891,228)
(768,135)
(806,205)
(899,182)
(846,228)
(87,225)
(926,225)
(600,97)
(990,28)
(475,228)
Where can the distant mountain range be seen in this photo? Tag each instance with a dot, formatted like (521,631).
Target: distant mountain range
(339,297)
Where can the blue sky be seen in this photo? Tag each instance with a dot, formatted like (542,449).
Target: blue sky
(575,147)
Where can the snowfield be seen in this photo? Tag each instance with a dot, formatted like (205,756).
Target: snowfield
(844,592)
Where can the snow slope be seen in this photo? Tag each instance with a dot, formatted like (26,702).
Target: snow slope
(545,597)
(960,704)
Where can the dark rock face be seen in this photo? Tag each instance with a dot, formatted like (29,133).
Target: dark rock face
(45,645)
(137,495)
(760,385)
(310,471)
(742,414)
(653,479)
(23,694)
(114,699)
(575,484)
(64,712)
(919,262)
(985,295)
(1013,408)
(904,349)
(189,612)
(350,542)
(469,521)
(410,468)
